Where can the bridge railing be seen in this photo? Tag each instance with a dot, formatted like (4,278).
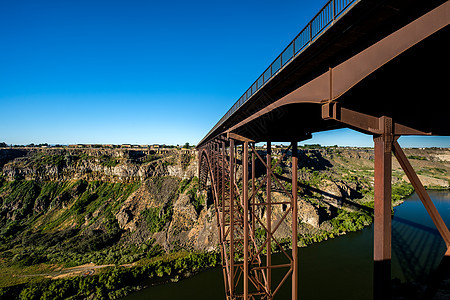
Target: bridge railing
(322,20)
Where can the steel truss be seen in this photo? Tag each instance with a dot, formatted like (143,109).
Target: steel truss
(244,212)
(244,208)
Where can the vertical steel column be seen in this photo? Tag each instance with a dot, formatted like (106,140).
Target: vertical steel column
(231,255)
(255,274)
(382,208)
(215,164)
(199,165)
(253,193)
(246,224)
(223,188)
(222,221)
(269,218)
(294,221)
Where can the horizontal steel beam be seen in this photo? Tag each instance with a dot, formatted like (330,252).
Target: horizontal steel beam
(364,122)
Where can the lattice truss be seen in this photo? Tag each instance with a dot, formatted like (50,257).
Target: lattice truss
(246,223)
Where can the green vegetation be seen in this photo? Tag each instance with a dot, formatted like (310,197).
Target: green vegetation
(53,160)
(197,199)
(115,282)
(108,161)
(400,191)
(314,177)
(416,157)
(73,223)
(157,218)
(344,222)
(191,187)
(183,185)
(278,170)
(55,242)
(150,158)
(311,146)
(350,221)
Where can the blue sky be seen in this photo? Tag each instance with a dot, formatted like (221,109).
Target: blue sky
(140,72)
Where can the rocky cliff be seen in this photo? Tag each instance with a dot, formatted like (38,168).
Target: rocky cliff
(111,165)
(136,193)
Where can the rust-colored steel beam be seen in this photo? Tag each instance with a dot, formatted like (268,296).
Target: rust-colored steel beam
(363,122)
(423,195)
(294,221)
(382,211)
(382,198)
(232,216)
(246,222)
(269,216)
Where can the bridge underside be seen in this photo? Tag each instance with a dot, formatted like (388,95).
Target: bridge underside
(411,89)
(395,86)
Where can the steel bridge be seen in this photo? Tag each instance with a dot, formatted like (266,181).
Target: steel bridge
(378,67)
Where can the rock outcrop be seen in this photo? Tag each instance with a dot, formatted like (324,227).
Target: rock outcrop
(112,165)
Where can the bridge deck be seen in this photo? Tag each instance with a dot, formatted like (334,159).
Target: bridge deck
(402,81)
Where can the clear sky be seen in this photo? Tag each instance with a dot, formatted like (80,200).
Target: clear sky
(140,72)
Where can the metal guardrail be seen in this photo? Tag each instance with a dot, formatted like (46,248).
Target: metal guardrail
(322,20)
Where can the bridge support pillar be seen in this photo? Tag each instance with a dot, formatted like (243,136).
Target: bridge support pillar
(294,221)
(269,218)
(246,221)
(382,211)
(232,214)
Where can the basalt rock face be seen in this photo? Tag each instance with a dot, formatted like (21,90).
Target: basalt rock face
(112,165)
(133,193)
(190,229)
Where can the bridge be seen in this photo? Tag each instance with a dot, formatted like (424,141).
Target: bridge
(378,67)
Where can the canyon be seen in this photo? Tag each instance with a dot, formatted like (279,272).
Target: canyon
(63,207)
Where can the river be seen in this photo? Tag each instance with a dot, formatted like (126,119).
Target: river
(340,268)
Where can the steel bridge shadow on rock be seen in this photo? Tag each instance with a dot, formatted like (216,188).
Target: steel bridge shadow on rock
(374,66)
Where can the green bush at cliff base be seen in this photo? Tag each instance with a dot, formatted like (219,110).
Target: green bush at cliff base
(401,191)
(350,221)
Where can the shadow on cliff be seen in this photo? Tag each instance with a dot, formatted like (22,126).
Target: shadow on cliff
(308,190)
(311,159)
(7,155)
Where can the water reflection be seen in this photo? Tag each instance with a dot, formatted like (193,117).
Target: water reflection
(417,246)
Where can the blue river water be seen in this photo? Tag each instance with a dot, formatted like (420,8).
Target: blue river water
(340,268)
